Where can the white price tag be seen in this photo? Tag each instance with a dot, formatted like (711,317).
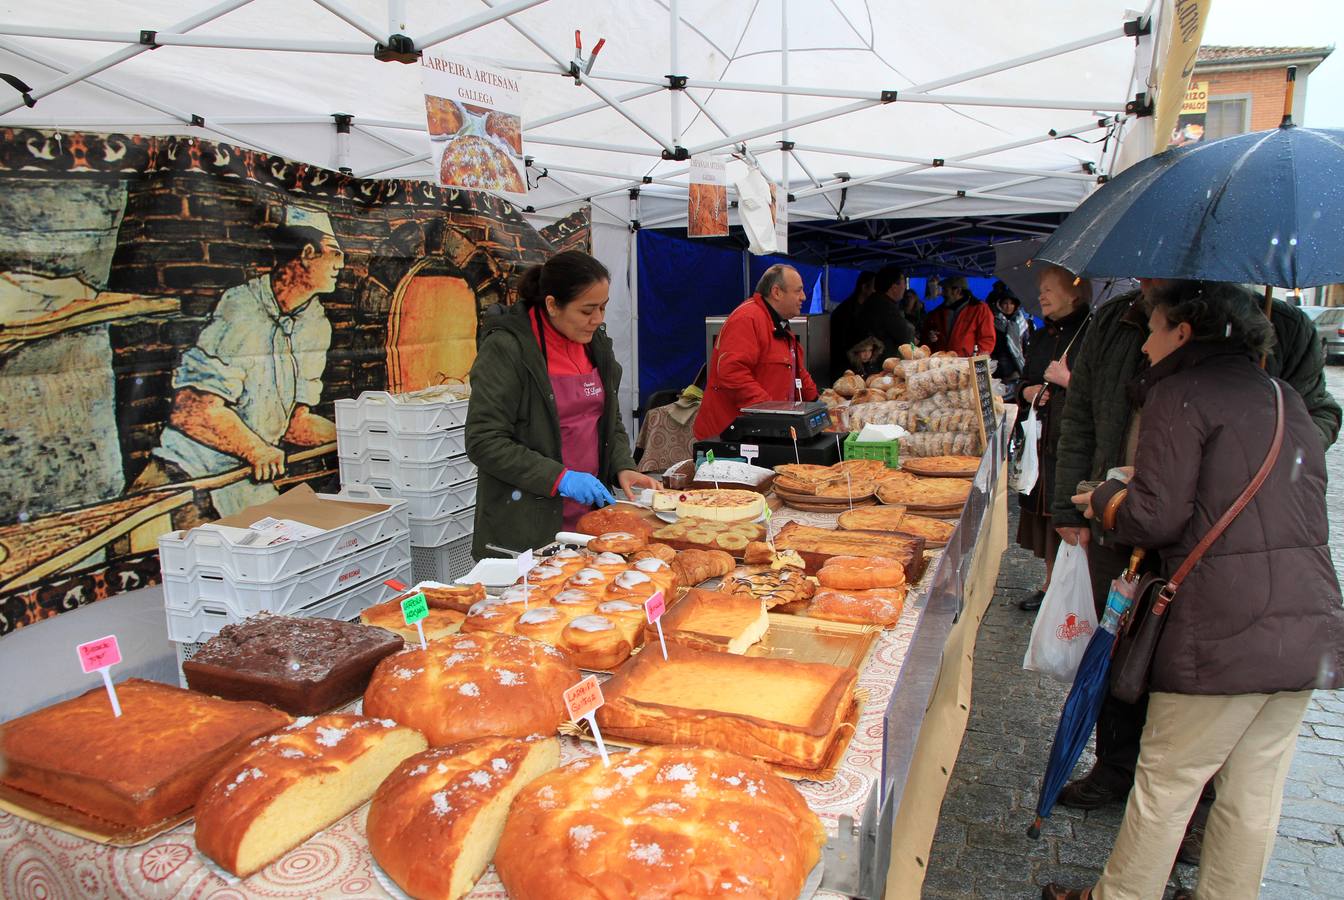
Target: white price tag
(524,563)
(749,451)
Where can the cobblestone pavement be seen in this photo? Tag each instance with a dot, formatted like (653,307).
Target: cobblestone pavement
(981,849)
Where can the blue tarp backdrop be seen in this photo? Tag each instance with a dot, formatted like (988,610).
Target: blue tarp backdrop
(683,281)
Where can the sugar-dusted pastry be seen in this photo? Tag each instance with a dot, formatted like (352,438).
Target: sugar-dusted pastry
(569,559)
(491,615)
(541,623)
(591,579)
(575,602)
(660,822)
(632,585)
(150,763)
(473,685)
(435,822)
(618,542)
(545,577)
(594,642)
(609,564)
(283,789)
(659,572)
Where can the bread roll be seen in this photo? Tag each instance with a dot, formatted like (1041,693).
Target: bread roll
(594,642)
(491,615)
(658,551)
(590,579)
(859,573)
(695,566)
(570,560)
(632,585)
(285,788)
(660,573)
(661,822)
(545,577)
(876,607)
(618,542)
(609,564)
(618,517)
(847,384)
(435,822)
(473,685)
(541,623)
(575,602)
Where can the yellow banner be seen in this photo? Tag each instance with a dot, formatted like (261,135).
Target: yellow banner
(1183,27)
(1196,99)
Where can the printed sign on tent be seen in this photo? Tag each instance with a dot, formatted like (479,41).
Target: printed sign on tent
(1194,113)
(475,119)
(779,208)
(707,208)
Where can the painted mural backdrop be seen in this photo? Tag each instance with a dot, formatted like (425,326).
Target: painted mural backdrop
(177,318)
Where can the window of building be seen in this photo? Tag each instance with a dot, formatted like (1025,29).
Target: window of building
(1227,116)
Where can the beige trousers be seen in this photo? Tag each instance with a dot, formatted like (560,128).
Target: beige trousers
(1245,742)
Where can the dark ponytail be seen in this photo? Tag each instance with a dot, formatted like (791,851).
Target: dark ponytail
(563,276)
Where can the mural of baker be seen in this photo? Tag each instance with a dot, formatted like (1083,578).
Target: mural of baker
(254,374)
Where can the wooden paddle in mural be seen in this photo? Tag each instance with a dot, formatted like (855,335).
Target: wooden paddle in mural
(39,548)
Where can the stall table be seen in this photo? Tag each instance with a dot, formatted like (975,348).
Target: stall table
(37,861)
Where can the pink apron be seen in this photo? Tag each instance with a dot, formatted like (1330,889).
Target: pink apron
(579,401)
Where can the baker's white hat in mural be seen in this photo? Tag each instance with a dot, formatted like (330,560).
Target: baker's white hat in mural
(313,218)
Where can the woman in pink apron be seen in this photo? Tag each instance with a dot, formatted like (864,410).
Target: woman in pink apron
(544,428)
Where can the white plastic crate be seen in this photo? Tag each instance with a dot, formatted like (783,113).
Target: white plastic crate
(424,505)
(437,532)
(382,408)
(445,563)
(205,601)
(415,448)
(403,475)
(183,552)
(347,605)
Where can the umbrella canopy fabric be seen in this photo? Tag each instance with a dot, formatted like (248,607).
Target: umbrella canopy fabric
(1260,208)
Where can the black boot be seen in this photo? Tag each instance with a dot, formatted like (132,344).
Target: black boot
(1031,602)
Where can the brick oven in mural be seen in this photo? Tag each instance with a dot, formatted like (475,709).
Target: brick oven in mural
(177,318)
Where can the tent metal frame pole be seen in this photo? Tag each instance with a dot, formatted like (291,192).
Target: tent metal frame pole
(674,58)
(179,39)
(665,178)
(496,12)
(585,80)
(388,167)
(950,164)
(352,18)
(77,75)
(782,201)
(812,178)
(396,15)
(373,135)
(578,197)
(941,195)
(713,119)
(783,126)
(591,107)
(588,197)
(1016,62)
(632,276)
(551,140)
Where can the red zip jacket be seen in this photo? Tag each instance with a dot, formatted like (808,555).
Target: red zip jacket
(751,364)
(972,334)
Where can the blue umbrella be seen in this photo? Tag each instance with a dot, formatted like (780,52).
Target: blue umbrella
(1089,689)
(1262,208)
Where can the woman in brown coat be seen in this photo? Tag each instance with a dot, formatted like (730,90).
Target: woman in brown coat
(1257,624)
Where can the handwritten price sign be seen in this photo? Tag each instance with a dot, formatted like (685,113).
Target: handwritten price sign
(582,701)
(100,656)
(414,609)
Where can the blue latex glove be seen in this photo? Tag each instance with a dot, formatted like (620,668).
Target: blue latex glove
(584,488)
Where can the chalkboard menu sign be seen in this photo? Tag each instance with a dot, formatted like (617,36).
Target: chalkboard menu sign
(984,406)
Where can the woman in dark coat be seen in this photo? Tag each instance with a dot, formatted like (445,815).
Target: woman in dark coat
(1049,353)
(1257,624)
(544,428)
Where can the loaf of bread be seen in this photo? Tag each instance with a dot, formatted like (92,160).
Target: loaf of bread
(472,686)
(617,517)
(435,822)
(285,788)
(777,710)
(457,597)
(662,822)
(136,770)
(816,545)
(861,573)
(693,567)
(303,666)
(874,607)
(437,624)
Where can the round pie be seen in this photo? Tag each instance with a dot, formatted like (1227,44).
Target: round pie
(477,163)
(720,505)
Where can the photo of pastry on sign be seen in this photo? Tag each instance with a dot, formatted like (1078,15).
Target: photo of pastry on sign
(473,113)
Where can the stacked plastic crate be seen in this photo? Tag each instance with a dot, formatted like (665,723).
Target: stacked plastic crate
(215,576)
(415,450)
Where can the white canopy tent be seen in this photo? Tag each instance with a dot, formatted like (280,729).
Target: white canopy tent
(863,110)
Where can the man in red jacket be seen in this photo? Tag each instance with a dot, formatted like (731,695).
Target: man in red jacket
(758,358)
(964,323)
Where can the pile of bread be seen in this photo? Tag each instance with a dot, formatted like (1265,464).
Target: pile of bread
(457,756)
(864,590)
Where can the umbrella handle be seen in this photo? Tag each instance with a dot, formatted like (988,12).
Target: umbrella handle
(1034,829)
(1135,559)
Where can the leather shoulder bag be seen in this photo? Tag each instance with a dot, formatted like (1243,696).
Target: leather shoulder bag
(1132,664)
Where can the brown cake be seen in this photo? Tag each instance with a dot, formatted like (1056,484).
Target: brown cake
(663,822)
(303,666)
(136,770)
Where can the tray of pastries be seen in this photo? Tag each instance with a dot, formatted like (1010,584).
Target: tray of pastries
(935,532)
(942,466)
(704,534)
(924,495)
(797,717)
(817,545)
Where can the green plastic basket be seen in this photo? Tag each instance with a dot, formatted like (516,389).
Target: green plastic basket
(887,451)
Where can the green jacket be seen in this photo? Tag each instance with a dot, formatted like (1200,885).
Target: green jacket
(513,435)
(1097,412)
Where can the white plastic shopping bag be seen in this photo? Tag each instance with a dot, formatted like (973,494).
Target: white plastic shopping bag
(1025,466)
(1066,620)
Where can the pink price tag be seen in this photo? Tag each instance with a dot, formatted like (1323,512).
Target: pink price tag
(583,698)
(655,606)
(99,654)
